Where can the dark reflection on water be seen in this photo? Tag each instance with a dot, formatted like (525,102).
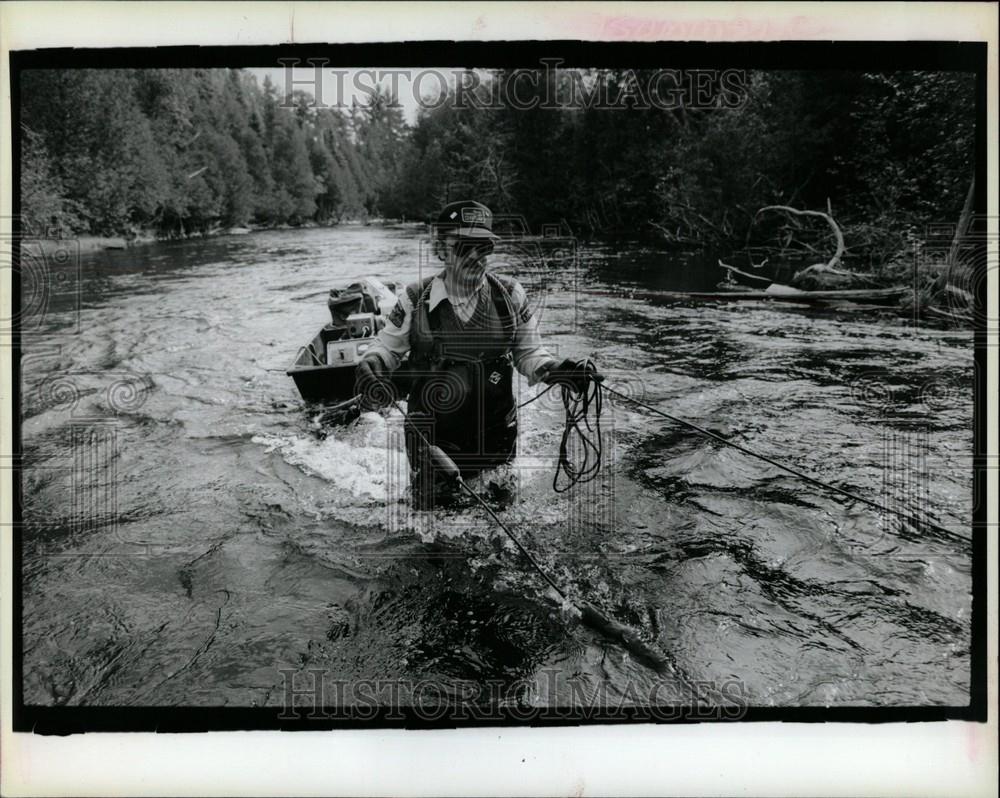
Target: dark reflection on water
(190,538)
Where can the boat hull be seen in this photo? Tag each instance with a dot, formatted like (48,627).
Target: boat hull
(325,383)
(321,383)
(318,381)
(325,369)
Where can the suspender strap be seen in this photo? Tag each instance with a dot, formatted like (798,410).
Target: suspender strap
(421,330)
(504,306)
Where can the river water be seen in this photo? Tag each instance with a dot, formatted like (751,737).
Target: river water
(194,535)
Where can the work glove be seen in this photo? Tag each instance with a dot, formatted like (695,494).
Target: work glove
(373,384)
(575,374)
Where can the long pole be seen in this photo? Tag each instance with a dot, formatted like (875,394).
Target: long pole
(800,474)
(516,542)
(446,465)
(589,615)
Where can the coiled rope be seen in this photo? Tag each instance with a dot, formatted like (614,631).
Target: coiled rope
(579,438)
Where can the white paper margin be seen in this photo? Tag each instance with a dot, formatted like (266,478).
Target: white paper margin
(928,759)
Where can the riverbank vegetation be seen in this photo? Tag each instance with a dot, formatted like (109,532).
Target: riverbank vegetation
(172,152)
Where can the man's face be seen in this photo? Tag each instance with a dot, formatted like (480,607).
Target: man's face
(466,256)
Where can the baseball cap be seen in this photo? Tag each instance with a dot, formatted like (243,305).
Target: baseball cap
(466,219)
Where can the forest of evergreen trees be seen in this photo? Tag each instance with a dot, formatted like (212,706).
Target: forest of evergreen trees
(182,151)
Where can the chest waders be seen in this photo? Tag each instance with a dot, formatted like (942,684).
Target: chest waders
(461,391)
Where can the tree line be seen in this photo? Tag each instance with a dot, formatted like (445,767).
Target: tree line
(179,151)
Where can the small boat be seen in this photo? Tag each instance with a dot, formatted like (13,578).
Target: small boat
(320,380)
(324,369)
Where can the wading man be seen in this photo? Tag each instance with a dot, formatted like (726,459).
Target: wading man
(465,330)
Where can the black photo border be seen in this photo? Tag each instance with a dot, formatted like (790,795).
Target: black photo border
(876,56)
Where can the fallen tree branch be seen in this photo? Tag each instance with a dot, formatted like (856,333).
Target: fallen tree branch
(963,225)
(830,264)
(745,274)
(830,267)
(962,318)
(965,296)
